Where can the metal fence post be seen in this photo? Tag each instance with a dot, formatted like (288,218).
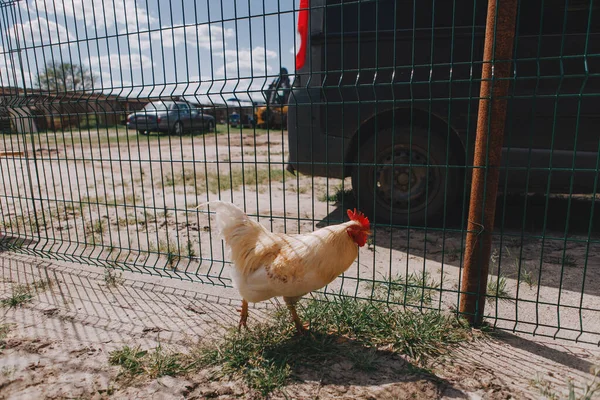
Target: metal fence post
(498,51)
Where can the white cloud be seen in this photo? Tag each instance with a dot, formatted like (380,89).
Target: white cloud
(120,61)
(203,36)
(100,13)
(118,70)
(8,75)
(6,78)
(39,32)
(258,61)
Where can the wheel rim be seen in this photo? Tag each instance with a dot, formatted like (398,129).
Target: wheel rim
(178,128)
(403,179)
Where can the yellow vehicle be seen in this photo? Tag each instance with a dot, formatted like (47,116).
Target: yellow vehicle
(274,114)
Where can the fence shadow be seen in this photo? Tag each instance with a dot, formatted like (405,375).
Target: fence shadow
(532,214)
(531,233)
(78,307)
(558,214)
(8,243)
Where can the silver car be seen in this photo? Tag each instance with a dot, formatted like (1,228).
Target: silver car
(176,117)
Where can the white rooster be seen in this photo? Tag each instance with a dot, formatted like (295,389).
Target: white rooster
(267,264)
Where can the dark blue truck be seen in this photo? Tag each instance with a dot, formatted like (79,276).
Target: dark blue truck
(387,92)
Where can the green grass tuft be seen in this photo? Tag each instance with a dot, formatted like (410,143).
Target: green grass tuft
(155,363)
(527,277)
(340,330)
(191,252)
(413,289)
(112,279)
(496,288)
(337,197)
(251,177)
(4,331)
(161,362)
(589,391)
(129,359)
(20,295)
(569,261)
(420,335)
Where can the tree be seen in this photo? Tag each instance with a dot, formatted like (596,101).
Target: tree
(62,77)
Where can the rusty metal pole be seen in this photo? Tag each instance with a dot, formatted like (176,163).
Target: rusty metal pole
(498,51)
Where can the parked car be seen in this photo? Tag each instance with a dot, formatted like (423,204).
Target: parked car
(174,117)
(201,121)
(387,92)
(246,120)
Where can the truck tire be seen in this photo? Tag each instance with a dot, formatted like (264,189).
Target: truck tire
(178,128)
(400,186)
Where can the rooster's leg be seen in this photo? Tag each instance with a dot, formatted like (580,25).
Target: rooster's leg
(243,316)
(291,305)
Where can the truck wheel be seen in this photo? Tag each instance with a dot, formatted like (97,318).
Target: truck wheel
(399,184)
(178,128)
(210,126)
(141,132)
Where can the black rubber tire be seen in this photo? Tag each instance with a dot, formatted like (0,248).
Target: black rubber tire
(141,132)
(430,207)
(174,130)
(210,126)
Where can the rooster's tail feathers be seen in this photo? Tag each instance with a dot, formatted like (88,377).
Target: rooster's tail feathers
(228,215)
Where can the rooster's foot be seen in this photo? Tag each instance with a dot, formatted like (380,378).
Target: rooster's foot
(244,315)
(302,328)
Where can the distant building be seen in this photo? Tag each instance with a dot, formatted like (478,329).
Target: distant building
(38,110)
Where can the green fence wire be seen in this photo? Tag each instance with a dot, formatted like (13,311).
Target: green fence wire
(118,117)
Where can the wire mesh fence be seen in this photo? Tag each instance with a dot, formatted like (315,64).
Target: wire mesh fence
(118,117)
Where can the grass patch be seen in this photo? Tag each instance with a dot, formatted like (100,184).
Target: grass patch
(213,182)
(148,218)
(127,220)
(20,295)
(496,288)
(337,197)
(27,223)
(415,289)
(295,189)
(341,330)
(155,363)
(98,227)
(132,199)
(527,277)
(420,335)
(41,285)
(4,331)
(190,251)
(589,391)
(224,129)
(569,261)
(168,248)
(112,279)
(129,359)
(249,176)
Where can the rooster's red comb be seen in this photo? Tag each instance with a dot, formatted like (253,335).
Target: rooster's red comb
(360,217)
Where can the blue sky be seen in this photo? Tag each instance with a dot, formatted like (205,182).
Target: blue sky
(149,47)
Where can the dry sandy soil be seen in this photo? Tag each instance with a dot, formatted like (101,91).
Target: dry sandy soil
(111,198)
(59,343)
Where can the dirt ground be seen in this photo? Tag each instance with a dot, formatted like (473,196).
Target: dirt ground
(58,346)
(113,198)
